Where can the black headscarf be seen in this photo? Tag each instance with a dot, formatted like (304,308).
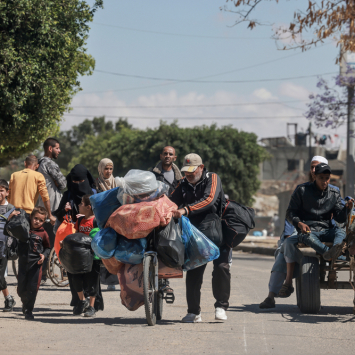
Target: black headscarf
(77,191)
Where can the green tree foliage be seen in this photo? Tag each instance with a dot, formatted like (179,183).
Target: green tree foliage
(235,156)
(42,53)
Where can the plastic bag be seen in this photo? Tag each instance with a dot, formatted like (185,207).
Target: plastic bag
(112,265)
(104,243)
(140,186)
(169,245)
(131,283)
(130,251)
(76,255)
(139,219)
(92,235)
(66,228)
(18,227)
(104,204)
(199,250)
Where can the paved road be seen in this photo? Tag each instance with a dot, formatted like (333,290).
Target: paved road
(248,330)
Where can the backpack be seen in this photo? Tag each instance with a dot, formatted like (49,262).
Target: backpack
(237,220)
(18,227)
(3,236)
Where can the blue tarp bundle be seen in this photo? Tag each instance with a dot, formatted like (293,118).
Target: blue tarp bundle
(104,243)
(130,251)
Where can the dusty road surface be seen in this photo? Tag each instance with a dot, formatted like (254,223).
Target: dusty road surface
(248,330)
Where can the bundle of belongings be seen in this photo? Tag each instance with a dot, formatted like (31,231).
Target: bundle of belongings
(137,217)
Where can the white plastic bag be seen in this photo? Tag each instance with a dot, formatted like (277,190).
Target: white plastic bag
(140,186)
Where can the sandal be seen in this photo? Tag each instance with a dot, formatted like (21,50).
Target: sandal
(267,303)
(286,291)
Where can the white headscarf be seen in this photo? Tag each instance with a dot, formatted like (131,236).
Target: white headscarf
(105,184)
(320,159)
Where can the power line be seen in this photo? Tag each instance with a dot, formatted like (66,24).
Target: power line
(211,81)
(192,106)
(203,77)
(177,34)
(191,118)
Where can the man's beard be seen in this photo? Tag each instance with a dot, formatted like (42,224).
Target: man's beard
(195,179)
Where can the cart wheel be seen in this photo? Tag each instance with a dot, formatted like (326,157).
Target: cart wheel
(56,271)
(150,289)
(308,286)
(160,306)
(14,267)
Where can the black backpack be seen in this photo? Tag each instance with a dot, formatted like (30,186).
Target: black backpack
(18,227)
(237,220)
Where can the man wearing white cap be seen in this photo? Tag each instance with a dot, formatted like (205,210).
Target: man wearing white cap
(200,195)
(282,258)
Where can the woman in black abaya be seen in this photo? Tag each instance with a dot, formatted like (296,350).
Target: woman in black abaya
(80,183)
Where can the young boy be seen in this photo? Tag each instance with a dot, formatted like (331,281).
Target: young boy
(5,208)
(31,256)
(90,282)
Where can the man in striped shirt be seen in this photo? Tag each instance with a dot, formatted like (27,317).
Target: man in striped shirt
(200,193)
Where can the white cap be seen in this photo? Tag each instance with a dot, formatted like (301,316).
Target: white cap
(320,159)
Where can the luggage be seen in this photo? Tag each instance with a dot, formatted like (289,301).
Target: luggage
(131,282)
(112,265)
(139,219)
(66,228)
(237,220)
(3,237)
(18,227)
(104,204)
(130,251)
(169,245)
(76,255)
(104,243)
(199,250)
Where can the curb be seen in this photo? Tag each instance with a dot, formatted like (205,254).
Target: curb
(256,250)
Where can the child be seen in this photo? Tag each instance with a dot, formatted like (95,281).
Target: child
(5,207)
(89,282)
(31,256)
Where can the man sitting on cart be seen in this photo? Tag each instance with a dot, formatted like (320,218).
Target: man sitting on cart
(312,207)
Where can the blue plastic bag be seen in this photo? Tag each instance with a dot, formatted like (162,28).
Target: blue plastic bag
(104,243)
(130,251)
(104,204)
(199,250)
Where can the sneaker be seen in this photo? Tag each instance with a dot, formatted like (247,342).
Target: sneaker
(29,315)
(90,312)
(333,252)
(43,282)
(80,308)
(192,318)
(9,304)
(220,314)
(111,288)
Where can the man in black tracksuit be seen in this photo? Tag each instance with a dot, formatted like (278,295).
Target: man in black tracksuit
(166,171)
(198,194)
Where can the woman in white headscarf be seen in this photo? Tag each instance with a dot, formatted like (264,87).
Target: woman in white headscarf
(105,181)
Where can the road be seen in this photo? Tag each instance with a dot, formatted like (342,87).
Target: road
(249,330)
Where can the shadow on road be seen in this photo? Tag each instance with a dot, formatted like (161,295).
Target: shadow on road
(293,314)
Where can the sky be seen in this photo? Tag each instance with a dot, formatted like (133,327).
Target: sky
(195,41)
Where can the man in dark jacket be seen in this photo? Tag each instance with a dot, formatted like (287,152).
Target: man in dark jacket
(311,210)
(166,171)
(198,194)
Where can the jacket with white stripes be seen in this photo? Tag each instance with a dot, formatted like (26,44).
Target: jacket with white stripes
(201,199)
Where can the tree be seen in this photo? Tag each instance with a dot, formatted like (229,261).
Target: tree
(42,53)
(234,155)
(325,19)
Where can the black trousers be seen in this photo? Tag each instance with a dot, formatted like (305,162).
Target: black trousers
(89,283)
(3,264)
(49,229)
(28,284)
(221,282)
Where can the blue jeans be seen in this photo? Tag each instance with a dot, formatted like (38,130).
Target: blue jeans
(314,239)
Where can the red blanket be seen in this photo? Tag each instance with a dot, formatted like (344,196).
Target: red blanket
(139,219)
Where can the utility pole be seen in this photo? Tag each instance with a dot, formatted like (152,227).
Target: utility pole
(310,143)
(349,188)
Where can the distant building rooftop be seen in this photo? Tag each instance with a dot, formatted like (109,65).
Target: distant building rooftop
(276,142)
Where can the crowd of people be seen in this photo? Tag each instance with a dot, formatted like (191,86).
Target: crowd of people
(314,215)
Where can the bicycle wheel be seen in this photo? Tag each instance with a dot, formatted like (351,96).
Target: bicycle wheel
(56,271)
(150,289)
(14,267)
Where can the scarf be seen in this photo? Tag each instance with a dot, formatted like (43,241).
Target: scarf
(77,191)
(105,184)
